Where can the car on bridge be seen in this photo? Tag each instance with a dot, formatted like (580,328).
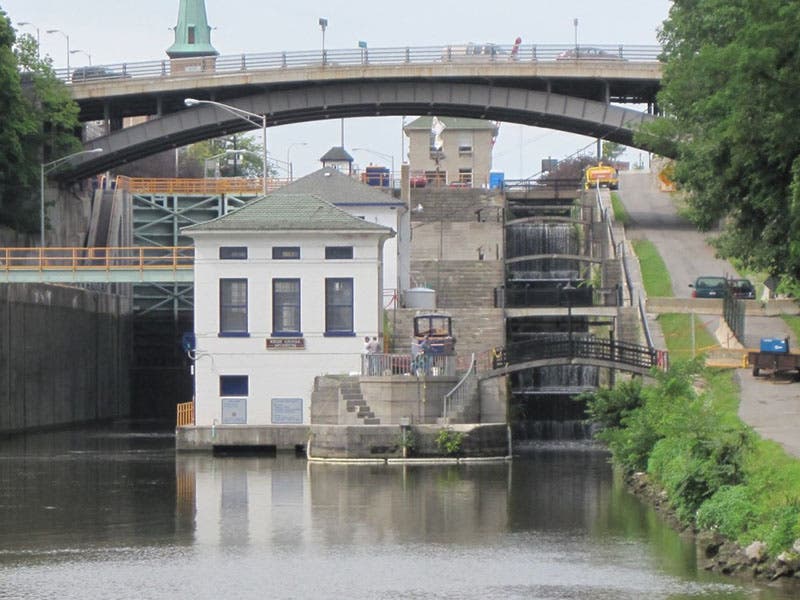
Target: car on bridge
(95,72)
(473,52)
(588,53)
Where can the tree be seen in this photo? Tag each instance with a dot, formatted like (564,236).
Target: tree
(38,125)
(571,168)
(731,79)
(15,125)
(229,156)
(612,151)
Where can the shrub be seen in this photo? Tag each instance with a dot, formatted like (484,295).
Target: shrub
(449,442)
(607,407)
(728,511)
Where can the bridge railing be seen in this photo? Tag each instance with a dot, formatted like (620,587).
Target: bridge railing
(455,401)
(220,185)
(97,259)
(453,53)
(589,348)
(407,364)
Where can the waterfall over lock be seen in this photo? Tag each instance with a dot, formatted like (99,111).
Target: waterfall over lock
(544,397)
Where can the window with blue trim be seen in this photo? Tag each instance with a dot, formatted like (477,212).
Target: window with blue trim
(286,307)
(233,306)
(234,385)
(339,306)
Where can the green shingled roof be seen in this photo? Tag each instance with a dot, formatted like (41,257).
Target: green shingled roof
(452,123)
(340,189)
(281,211)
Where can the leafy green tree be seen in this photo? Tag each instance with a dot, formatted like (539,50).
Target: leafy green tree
(612,151)
(15,125)
(229,156)
(39,121)
(731,79)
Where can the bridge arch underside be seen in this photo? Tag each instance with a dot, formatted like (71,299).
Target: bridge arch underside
(553,362)
(363,99)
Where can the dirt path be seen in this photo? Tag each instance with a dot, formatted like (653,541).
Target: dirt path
(771,405)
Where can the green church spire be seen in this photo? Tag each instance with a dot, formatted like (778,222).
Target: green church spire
(192,33)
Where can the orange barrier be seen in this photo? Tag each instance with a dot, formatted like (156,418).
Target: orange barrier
(185,414)
(218,185)
(107,259)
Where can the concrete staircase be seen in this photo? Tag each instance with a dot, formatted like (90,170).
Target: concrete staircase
(354,403)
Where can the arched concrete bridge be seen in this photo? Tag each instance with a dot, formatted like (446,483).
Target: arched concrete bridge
(533,87)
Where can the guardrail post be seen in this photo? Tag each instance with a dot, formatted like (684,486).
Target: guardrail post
(244,63)
(163,68)
(283,58)
(408,54)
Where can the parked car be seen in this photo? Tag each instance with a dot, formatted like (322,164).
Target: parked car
(709,287)
(742,288)
(588,53)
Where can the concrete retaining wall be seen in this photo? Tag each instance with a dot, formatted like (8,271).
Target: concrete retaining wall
(419,399)
(280,437)
(385,441)
(64,356)
(713,306)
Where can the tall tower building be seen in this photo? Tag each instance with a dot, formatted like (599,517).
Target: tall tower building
(192,33)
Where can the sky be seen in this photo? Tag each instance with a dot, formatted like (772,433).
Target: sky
(115,31)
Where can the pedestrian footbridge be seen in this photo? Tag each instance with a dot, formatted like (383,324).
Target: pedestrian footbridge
(143,264)
(611,354)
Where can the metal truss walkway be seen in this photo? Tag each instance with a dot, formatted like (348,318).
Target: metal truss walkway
(97,265)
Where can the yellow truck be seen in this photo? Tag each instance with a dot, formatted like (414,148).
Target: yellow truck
(603,175)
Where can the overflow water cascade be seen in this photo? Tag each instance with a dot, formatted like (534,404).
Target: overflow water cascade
(543,398)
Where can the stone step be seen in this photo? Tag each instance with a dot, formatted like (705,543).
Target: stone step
(352,396)
(365,414)
(372,421)
(352,405)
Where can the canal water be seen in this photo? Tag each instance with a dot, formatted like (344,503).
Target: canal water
(114,513)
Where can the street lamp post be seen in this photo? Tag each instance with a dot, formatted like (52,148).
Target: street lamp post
(381,154)
(47,167)
(575,24)
(89,56)
(323,24)
(247,116)
(67,38)
(38,40)
(288,160)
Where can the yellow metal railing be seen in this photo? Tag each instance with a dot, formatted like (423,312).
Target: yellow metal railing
(185,414)
(135,258)
(218,185)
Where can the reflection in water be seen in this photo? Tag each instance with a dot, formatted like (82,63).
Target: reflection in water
(105,514)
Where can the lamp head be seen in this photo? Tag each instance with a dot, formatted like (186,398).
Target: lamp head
(323,22)
(191,101)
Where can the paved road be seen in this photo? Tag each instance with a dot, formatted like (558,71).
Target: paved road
(771,405)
